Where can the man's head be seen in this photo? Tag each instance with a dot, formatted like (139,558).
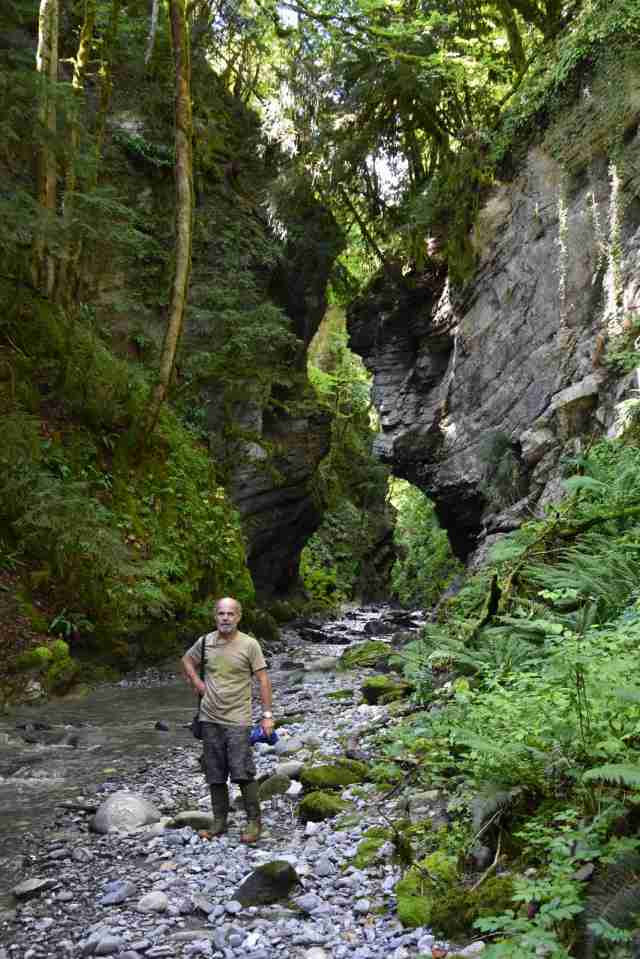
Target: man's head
(228,614)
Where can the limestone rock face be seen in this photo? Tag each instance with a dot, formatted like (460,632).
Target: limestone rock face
(482,391)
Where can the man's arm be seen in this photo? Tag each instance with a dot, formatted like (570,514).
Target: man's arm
(190,668)
(266,697)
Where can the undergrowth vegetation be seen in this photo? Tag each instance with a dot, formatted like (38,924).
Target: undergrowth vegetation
(116,534)
(529,720)
(350,555)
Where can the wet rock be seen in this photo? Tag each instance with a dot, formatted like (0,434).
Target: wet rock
(31,888)
(192,817)
(162,726)
(123,812)
(291,769)
(108,946)
(267,884)
(377,628)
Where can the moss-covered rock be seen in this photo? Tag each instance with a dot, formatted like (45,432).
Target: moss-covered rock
(268,883)
(34,659)
(318,806)
(384,689)
(334,775)
(370,845)
(275,785)
(340,694)
(365,655)
(432,893)
(61,674)
(59,649)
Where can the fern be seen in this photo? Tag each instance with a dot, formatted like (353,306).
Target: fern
(493,800)
(619,774)
(613,900)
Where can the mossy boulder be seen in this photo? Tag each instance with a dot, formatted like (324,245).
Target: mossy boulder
(432,894)
(336,775)
(340,694)
(318,806)
(384,689)
(370,845)
(365,655)
(276,785)
(38,658)
(59,649)
(268,883)
(61,674)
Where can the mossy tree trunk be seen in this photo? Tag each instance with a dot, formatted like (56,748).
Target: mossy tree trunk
(184,210)
(47,68)
(67,280)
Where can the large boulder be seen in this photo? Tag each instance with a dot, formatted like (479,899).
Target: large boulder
(268,883)
(124,811)
(336,775)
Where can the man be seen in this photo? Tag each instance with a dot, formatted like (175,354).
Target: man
(231,660)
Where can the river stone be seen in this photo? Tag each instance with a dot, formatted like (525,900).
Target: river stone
(31,888)
(384,689)
(108,945)
(123,812)
(117,892)
(192,817)
(325,664)
(364,654)
(268,883)
(288,746)
(155,901)
(291,769)
(334,776)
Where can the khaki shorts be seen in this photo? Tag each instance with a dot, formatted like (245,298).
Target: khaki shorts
(227,753)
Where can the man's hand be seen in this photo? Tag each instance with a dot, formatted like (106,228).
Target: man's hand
(267,725)
(199,686)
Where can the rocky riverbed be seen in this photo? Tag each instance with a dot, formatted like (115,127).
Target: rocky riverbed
(163,889)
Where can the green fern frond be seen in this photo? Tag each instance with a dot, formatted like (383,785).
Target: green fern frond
(619,774)
(493,799)
(614,898)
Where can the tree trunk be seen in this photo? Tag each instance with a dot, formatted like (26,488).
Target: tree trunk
(67,281)
(47,67)
(153,28)
(184,211)
(104,74)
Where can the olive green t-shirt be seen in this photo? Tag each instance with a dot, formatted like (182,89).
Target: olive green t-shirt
(229,668)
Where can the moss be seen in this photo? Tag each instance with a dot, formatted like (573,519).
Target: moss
(275,785)
(365,655)
(370,845)
(38,658)
(318,806)
(432,894)
(333,776)
(59,649)
(384,689)
(289,719)
(61,674)
(340,694)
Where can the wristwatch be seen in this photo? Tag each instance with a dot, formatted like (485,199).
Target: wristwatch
(267,714)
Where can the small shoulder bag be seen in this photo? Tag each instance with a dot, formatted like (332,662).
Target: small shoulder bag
(196,722)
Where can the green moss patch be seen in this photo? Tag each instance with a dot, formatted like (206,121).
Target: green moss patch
(384,689)
(340,694)
(318,806)
(366,655)
(370,845)
(334,776)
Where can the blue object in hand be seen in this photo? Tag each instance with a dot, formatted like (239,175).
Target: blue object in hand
(258,735)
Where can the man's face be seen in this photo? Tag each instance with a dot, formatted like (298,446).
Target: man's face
(227,616)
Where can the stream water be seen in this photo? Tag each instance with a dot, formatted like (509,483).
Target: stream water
(55,754)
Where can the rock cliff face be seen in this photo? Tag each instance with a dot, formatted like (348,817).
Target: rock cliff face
(483,392)
(257,295)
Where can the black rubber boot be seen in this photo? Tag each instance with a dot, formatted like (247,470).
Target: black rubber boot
(251,802)
(220,807)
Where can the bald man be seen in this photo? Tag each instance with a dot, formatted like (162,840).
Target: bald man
(231,659)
